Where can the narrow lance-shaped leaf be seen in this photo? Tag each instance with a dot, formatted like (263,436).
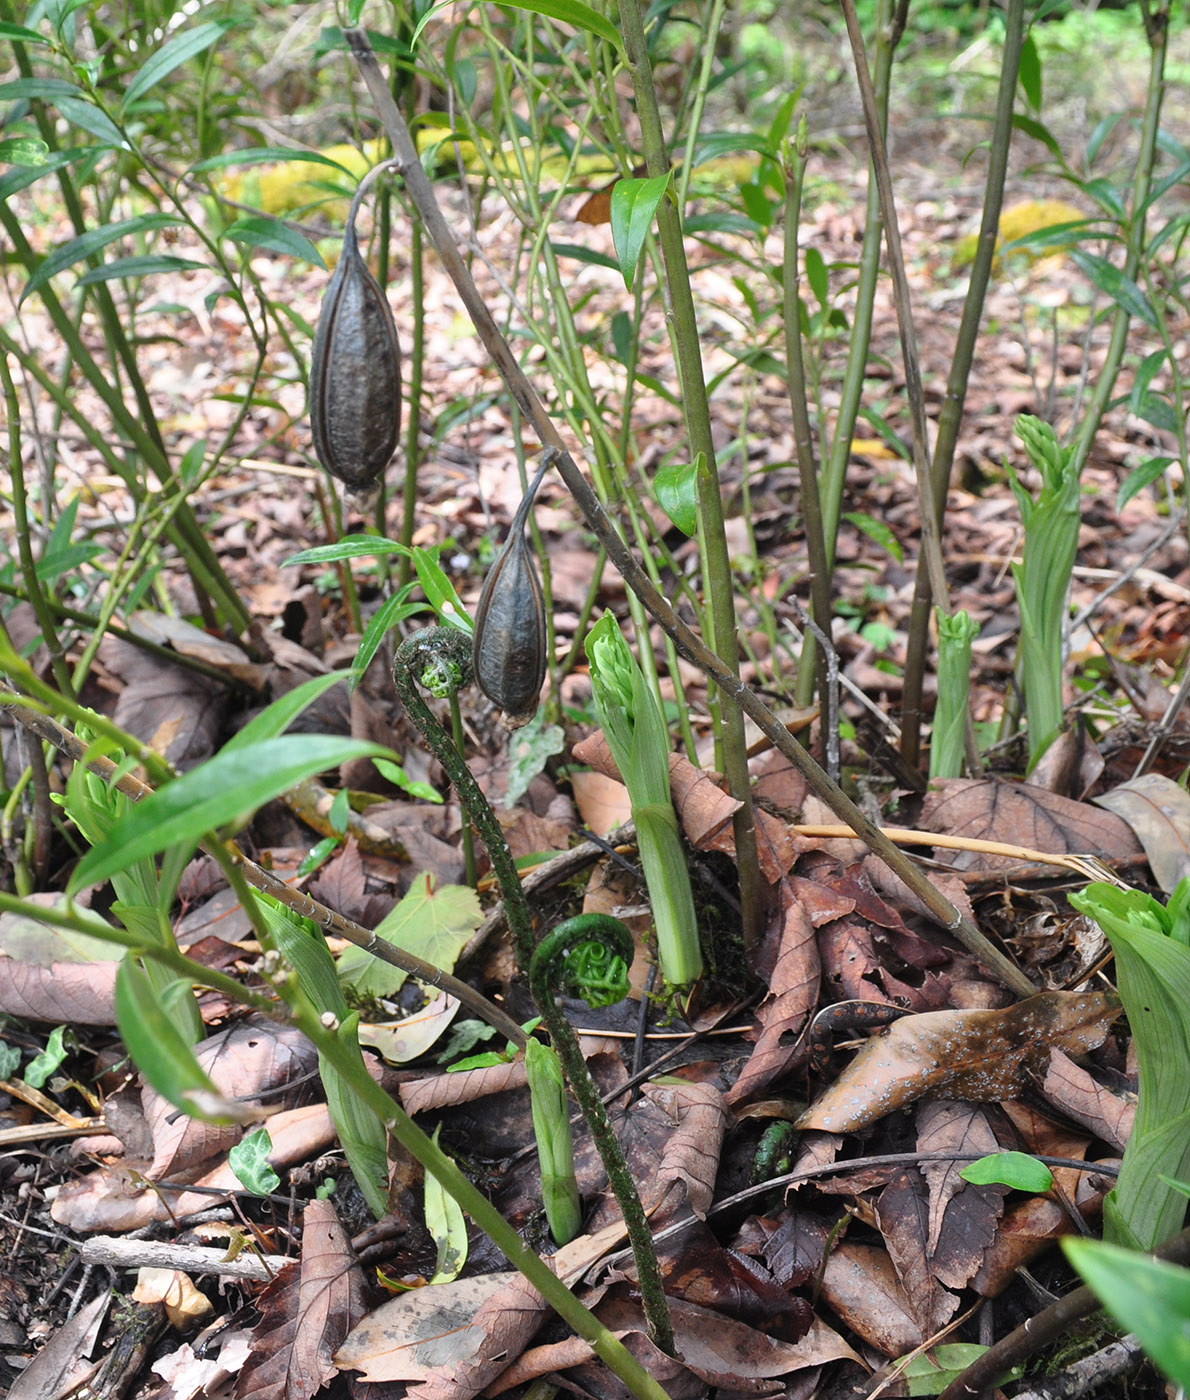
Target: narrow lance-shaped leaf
(633,208)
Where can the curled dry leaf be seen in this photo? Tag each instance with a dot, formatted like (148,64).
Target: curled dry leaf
(983,1056)
(792,996)
(691,1153)
(1158,811)
(1070,1088)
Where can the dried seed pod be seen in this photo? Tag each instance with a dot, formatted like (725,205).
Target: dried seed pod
(510,641)
(355,370)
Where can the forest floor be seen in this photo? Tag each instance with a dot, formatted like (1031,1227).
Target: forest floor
(804,1294)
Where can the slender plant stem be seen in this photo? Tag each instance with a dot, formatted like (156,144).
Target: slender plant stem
(718,581)
(433,647)
(688,644)
(807,467)
(1157,31)
(836,447)
(951,416)
(417,360)
(607,1348)
(20,510)
(931,544)
(456,729)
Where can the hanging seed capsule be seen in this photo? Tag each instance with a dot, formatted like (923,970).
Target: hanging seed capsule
(355,370)
(510,633)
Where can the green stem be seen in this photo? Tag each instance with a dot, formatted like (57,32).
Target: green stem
(427,655)
(836,446)
(807,467)
(20,503)
(417,356)
(718,581)
(1157,31)
(470,873)
(951,415)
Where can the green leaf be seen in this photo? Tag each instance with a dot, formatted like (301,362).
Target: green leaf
(1039,132)
(160,1051)
(277,717)
(87,244)
(1112,282)
(676,489)
(176,51)
(876,530)
(24,150)
(383,620)
(249,1159)
(633,207)
(48,89)
(432,921)
(932,1373)
(266,155)
(19,34)
(399,778)
(10,1060)
(224,790)
(816,276)
(1146,1296)
(26,175)
(143,265)
(1030,72)
(349,547)
(275,236)
(40,1067)
(1015,1169)
(440,591)
(568,11)
(584,255)
(448,1226)
(1140,477)
(88,117)
(318,855)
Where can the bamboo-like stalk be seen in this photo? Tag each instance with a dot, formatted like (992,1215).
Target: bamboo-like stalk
(835,448)
(718,580)
(951,415)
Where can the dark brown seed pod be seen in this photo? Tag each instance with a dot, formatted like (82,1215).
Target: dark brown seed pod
(355,370)
(510,641)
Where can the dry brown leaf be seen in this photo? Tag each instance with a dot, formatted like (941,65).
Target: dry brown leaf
(990,809)
(446,1090)
(962,1216)
(983,1056)
(792,996)
(602,802)
(860,1285)
(691,1155)
(420,1331)
(58,1368)
(52,974)
(252,1056)
(1030,1228)
(305,1313)
(1158,811)
(724,1352)
(110,1200)
(480,1328)
(1075,1093)
(176,711)
(903,1213)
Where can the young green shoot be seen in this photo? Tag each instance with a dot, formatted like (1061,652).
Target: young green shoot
(555,1146)
(956,632)
(639,741)
(1043,578)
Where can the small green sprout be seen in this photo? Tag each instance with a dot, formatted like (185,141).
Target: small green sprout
(555,1148)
